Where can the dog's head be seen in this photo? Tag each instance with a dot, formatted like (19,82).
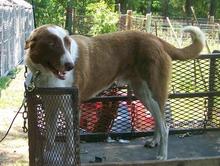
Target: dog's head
(51,50)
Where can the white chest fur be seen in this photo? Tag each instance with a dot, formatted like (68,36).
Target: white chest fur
(50,81)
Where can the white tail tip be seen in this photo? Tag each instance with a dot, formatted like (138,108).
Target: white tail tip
(196,33)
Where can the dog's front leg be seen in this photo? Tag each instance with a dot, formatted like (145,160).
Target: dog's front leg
(51,126)
(51,151)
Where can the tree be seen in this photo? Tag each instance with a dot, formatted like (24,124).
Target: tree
(149,6)
(188,4)
(212,10)
(104,18)
(123,4)
(165,8)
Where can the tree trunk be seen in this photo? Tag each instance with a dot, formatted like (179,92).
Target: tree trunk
(149,6)
(123,5)
(212,10)
(165,8)
(188,4)
(69,17)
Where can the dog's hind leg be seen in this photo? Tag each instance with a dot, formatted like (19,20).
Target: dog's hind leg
(151,87)
(142,92)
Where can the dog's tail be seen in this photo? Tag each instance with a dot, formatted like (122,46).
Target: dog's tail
(191,51)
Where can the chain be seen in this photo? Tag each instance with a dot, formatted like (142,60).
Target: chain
(25,112)
(28,88)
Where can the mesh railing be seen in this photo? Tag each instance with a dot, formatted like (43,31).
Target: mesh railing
(53,120)
(193,104)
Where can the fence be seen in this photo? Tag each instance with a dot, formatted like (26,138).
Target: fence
(16,23)
(193,107)
(193,104)
(162,28)
(157,26)
(64,148)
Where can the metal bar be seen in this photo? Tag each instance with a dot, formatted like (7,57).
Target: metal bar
(192,95)
(209,56)
(54,91)
(211,87)
(172,96)
(76,121)
(201,161)
(97,137)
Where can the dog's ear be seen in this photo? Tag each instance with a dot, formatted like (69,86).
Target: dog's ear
(29,43)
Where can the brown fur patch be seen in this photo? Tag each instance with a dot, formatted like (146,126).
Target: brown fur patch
(67,42)
(127,55)
(45,48)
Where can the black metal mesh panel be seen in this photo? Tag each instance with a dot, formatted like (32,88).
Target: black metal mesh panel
(53,127)
(187,113)
(193,102)
(214,117)
(190,76)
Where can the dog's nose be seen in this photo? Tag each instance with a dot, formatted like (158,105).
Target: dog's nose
(68,66)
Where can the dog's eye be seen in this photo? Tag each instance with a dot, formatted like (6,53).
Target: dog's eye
(52,44)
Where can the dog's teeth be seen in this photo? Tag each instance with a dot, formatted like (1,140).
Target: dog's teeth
(61,73)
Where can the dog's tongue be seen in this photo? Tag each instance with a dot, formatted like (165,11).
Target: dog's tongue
(61,75)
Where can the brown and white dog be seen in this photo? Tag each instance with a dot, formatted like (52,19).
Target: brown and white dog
(93,63)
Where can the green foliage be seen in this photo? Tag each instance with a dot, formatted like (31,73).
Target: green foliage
(201,8)
(176,8)
(104,18)
(156,5)
(50,12)
(54,11)
(5,80)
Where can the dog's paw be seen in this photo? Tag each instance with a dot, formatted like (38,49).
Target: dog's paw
(161,157)
(151,143)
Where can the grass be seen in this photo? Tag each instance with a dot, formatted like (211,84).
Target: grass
(5,80)
(11,89)
(14,149)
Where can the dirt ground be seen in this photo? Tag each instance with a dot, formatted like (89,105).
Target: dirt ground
(14,149)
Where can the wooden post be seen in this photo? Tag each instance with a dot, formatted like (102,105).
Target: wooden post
(148,22)
(129,20)
(155,25)
(168,20)
(194,14)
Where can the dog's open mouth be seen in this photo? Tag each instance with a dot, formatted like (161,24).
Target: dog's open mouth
(61,75)
(58,73)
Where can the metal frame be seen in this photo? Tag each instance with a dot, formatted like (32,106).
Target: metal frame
(36,139)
